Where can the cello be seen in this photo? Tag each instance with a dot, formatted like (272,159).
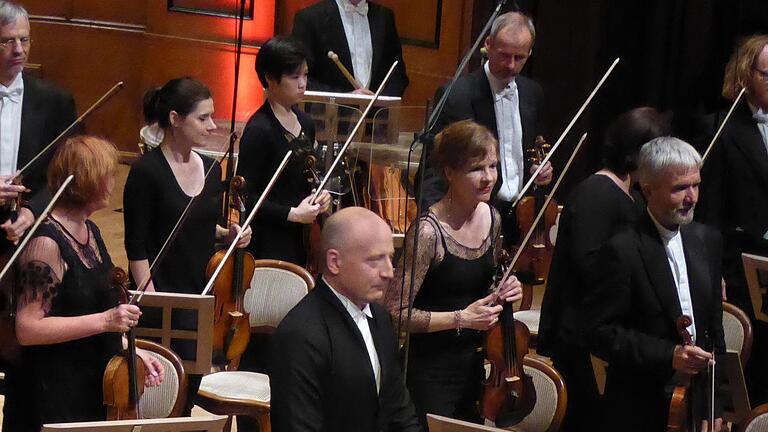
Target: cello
(508,393)
(231,327)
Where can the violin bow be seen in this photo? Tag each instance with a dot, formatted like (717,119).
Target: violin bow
(37,223)
(565,132)
(248,220)
(354,132)
(96,105)
(722,125)
(136,297)
(541,212)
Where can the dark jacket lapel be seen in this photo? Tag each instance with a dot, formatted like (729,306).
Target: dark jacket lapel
(748,139)
(326,294)
(698,280)
(337,39)
(377,37)
(482,101)
(29,135)
(657,267)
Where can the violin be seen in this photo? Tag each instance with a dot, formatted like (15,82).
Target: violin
(536,257)
(508,394)
(123,382)
(231,326)
(680,405)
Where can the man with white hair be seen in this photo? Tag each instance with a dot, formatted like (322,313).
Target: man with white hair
(32,114)
(664,267)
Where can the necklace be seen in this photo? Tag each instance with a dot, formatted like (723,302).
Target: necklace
(85,251)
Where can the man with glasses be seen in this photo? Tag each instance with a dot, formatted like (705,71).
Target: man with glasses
(735,187)
(32,114)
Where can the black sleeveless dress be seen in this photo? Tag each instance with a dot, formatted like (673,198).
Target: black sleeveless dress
(445,368)
(63,382)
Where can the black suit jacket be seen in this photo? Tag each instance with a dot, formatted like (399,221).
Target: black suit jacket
(45,113)
(321,375)
(733,196)
(472,98)
(631,317)
(320,29)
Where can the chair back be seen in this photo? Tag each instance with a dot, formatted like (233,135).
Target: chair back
(757,421)
(551,398)
(438,423)
(275,289)
(167,399)
(738,331)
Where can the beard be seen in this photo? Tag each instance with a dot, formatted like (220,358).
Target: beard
(678,218)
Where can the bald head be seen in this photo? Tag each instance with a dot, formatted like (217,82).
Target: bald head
(357,250)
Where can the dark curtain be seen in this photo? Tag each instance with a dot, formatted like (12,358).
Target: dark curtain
(673,53)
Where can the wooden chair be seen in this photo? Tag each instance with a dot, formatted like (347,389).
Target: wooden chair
(738,331)
(169,398)
(438,423)
(756,272)
(276,287)
(757,421)
(551,398)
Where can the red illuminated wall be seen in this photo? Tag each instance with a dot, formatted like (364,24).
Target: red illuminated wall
(88,45)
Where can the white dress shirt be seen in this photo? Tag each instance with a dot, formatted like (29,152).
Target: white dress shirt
(11,98)
(673,245)
(506,104)
(360,317)
(761,117)
(358,32)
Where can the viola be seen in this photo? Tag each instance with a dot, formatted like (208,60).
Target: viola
(680,405)
(508,394)
(536,257)
(231,326)
(123,382)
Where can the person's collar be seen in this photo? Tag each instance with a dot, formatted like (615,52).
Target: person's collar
(497,85)
(15,89)
(759,114)
(349,305)
(665,233)
(346,6)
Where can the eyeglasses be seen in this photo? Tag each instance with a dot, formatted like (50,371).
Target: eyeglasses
(10,43)
(763,74)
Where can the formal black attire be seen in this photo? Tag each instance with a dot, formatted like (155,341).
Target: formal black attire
(262,147)
(62,382)
(153,201)
(630,319)
(320,29)
(733,200)
(472,98)
(321,375)
(596,209)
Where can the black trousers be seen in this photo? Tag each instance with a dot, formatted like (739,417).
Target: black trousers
(575,365)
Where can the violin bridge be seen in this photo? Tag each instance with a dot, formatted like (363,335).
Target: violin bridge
(236,314)
(512,379)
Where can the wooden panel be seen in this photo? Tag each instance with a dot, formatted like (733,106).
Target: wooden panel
(418,23)
(110,11)
(226,8)
(62,8)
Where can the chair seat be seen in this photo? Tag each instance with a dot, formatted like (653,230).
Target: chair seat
(236,386)
(530,318)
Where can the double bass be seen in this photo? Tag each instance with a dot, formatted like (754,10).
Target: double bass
(231,327)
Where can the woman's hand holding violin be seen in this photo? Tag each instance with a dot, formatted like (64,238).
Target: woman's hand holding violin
(306,212)
(245,239)
(121,318)
(482,314)
(511,290)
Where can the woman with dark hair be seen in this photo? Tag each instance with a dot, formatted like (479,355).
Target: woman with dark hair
(159,187)
(68,316)
(454,297)
(596,209)
(277,127)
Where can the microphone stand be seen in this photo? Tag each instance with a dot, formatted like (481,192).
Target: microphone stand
(425,138)
(232,135)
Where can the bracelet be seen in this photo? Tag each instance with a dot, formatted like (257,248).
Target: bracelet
(457,321)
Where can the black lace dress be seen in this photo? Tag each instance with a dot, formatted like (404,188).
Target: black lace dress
(445,368)
(62,382)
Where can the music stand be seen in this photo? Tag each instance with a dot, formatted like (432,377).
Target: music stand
(438,423)
(756,272)
(173,304)
(211,423)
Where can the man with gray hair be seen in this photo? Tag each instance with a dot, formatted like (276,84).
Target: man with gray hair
(505,102)
(32,114)
(661,269)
